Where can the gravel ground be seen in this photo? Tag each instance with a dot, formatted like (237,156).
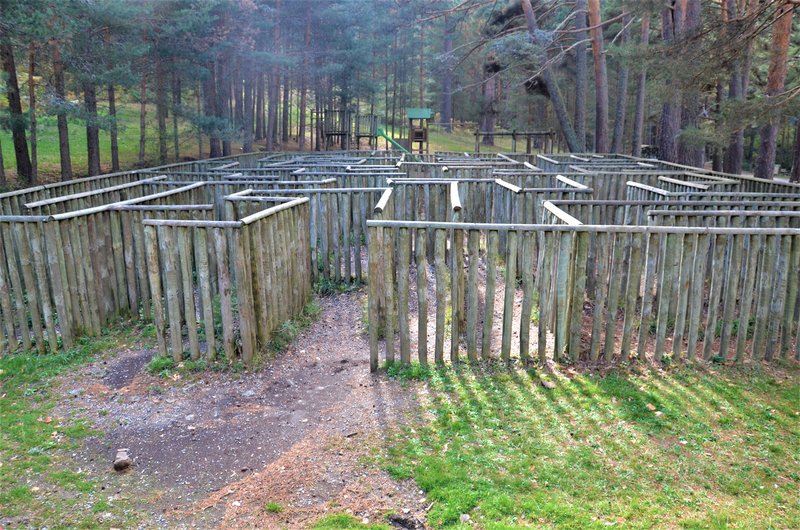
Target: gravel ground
(211,450)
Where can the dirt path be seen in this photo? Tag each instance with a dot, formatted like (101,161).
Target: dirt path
(214,450)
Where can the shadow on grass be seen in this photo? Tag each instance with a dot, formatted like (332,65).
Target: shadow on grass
(687,448)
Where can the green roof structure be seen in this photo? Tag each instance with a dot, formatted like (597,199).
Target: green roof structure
(419,114)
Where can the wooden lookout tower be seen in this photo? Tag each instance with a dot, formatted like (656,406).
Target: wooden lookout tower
(367,127)
(337,128)
(418,129)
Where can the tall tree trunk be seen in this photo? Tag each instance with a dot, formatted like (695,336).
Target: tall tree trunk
(199,112)
(161,111)
(669,124)
(112,111)
(776,77)
(489,103)
(732,11)
(223,80)
(285,111)
(259,117)
(32,112)
(304,81)
(550,81)
(621,103)
(581,73)
(210,104)
(688,153)
(2,167)
(274,84)
(142,118)
(61,113)
(247,68)
(447,77)
(238,98)
(600,78)
(92,130)
(176,109)
(17,119)
(795,175)
(641,92)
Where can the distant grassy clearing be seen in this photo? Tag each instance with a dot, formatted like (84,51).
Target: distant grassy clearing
(685,449)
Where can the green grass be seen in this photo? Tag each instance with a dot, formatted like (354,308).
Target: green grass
(39,484)
(273,507)
(289,330)
(128,141)
(685,449)
(344,521)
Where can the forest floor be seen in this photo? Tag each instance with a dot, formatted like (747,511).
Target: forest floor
(313,440)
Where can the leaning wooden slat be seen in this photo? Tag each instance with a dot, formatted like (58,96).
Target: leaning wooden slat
(37,251)
(123,300)
(26,264)
(763,296)
(489,293)
(509,295)
(791,297)
(154,275)
(632,286)
(697,292)
(185,253)
(138,242)
(778,295)
(126,219)
(259,281)
(90,274)
(731,295)
(669,269)
(244,293)
(527,296)
(69,275)
(615,278)
(688,250)
(169,252)
(355,211)
(652,244)
(10,340)
(717,274)
(441,294)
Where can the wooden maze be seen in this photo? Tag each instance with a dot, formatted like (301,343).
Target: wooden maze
(467,256)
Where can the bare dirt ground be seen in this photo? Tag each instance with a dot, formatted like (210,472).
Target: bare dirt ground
(212,450)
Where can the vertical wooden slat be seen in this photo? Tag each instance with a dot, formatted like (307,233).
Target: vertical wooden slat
(422,296)
(527,296)
(441,294)
(404,249)
(489,293)
(509,295)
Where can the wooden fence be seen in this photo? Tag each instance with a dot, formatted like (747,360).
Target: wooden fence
(682,292)
(228,284)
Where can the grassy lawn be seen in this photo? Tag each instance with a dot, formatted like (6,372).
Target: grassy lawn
(39,483)
(128,140)
(684,449)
